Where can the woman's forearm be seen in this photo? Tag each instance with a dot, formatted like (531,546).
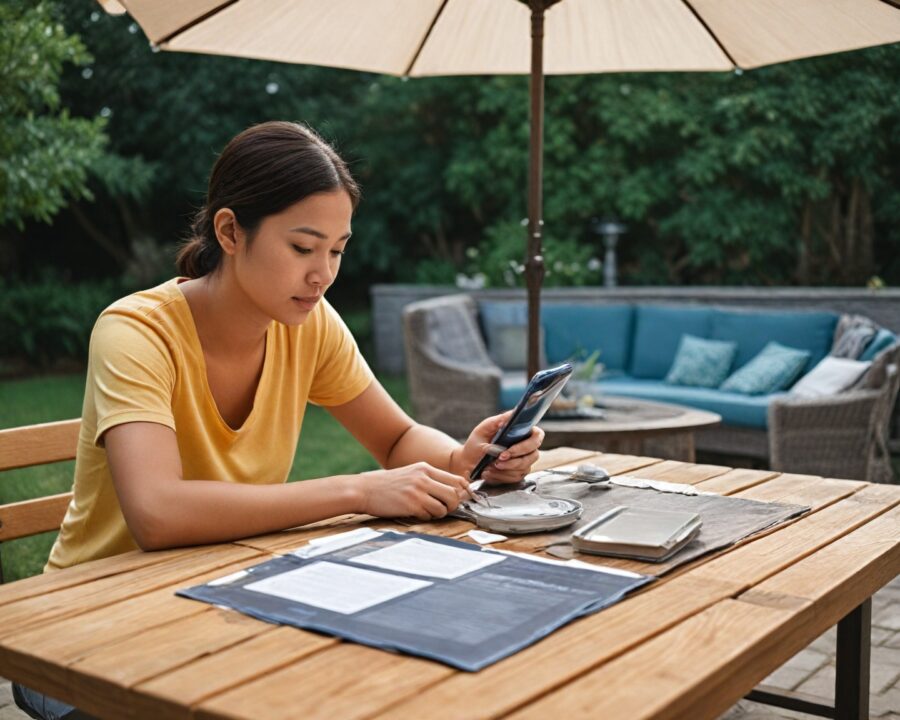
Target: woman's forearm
(422,443)
(196,512)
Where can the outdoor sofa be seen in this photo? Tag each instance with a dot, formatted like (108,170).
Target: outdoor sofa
(465,361)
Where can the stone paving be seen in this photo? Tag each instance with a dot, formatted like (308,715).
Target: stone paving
(810,671)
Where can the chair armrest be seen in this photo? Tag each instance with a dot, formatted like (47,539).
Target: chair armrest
(848,409)
(832,436)
(447,394)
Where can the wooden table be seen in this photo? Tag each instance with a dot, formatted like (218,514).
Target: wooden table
(112,638)
(632,426)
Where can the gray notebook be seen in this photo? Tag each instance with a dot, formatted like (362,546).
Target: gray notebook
(636,532)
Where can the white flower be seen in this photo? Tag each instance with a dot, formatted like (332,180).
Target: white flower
(594,264)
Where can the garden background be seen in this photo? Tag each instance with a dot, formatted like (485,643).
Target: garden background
(788,175)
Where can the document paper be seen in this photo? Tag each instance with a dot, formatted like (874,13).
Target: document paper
(420,557)
(337,588)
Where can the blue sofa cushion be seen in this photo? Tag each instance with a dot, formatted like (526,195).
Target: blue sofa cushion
(736,409)
(753,330)
(775,368)
(701,363)
(883,339)
(572,330)
(512,385)
(658,330)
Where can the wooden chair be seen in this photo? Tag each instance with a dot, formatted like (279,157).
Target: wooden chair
(25,447)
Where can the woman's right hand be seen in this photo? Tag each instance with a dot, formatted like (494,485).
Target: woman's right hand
(419,490)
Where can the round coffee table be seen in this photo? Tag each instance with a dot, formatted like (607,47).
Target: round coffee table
(632,427)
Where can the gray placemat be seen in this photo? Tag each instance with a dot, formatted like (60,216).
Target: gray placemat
(726,520)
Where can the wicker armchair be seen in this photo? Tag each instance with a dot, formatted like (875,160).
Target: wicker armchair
(843,436)
(453,383)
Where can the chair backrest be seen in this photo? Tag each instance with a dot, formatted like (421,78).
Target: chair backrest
(448,326)
(36,445)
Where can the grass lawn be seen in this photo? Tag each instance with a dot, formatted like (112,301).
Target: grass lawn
(325,448)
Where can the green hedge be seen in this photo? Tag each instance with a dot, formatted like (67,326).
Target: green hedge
(48,320)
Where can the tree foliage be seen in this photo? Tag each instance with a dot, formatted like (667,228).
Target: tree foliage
(45,153)
(787,174)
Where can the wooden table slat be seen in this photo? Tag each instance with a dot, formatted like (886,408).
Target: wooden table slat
(106,677)
(173,693)
(79,599)
(735,480)
(681,472)
(43,654)
(672,675)
(346,681)
(87,572)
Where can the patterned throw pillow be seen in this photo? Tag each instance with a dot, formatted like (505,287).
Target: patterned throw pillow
(774,368)
(700,362)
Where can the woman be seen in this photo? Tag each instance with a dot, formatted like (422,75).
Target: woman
(206,378)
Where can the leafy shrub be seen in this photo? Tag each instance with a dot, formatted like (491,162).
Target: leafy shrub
(49,320)
(501,259)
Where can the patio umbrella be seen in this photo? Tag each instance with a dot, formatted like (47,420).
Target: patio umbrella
(480,37)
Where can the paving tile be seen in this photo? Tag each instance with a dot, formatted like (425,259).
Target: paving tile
(826,642)
(821,684)
(809,659)
(888,616)
(887,703)
(6,697)
(788,678)
(884,670)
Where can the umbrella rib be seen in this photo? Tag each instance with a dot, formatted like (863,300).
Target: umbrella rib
(425,38)
(709,30)
(195,21)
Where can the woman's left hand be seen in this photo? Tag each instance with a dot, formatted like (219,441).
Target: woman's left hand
(511,466)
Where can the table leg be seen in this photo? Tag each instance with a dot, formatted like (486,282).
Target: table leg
(851,683)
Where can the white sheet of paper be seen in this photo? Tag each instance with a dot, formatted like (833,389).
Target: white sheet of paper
(339,541)
(337,588)
(420,557)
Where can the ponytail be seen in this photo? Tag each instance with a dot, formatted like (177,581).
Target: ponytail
(200,254)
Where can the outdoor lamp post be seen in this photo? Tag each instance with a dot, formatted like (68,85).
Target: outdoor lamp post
(609,230)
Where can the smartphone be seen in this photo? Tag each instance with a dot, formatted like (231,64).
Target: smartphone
(541,391)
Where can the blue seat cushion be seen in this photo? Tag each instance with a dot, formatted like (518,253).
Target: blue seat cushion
(573,330)
(753,330)
(657,333)
(736,409)
(884,338)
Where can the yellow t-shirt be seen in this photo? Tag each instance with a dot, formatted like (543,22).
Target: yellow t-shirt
(146,364)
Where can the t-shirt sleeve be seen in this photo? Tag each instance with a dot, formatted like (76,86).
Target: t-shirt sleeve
(342,373)
(131,374)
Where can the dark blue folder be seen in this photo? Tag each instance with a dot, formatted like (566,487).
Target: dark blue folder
(468,622)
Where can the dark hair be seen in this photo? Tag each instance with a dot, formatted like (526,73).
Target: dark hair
(263,170)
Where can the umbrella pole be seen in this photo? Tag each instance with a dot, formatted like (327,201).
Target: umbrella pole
(534,263)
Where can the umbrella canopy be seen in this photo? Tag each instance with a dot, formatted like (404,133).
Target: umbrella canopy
(481,37)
